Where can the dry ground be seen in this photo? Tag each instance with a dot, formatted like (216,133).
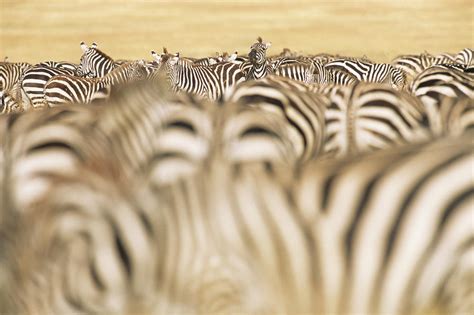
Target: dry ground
(37,30)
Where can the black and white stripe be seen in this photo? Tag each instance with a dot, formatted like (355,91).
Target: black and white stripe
(369,116)
(65,89)
(258,65)
(370,72)
(33,83)
(296,70)
(207,81)
(302,111)
(94,63)
(437,82)
(388,232)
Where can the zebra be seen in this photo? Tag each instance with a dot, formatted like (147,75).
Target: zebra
(465,57)
(94,62)
(33,84)
(10,101)
(61,64)
(302,111)
(385,232)
(258,66)
(368,72)
(171,131)
(65,89)
(412,65)
(325,76)
(207,81)
(11,74)
(296,70)
(437,82)
(456,115)
(369,116)
(42,144)
(386,220)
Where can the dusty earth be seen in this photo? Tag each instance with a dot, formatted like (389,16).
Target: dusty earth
(38,30)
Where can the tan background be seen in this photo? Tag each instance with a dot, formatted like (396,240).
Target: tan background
(38,30)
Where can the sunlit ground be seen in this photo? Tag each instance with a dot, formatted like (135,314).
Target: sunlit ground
(38,30)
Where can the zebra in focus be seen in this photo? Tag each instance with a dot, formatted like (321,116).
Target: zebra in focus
(370,72)
(465,57)
(326,76)
(293,69)
(64,89)
(258,65)
(207,81)
(370,116)
(10,86)
(438,82)
(11,73)
(94,63)
(61,65)
(301,110)
(33,83)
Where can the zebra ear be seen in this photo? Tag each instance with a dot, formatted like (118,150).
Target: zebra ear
(174,60)
(141,62)
(84,47)
(268,45)
(165,51)
(94,45)
(156,56)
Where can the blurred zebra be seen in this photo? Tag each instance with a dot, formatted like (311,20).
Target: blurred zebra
(412,65)
(369,72)
(393,232)
(33,84)
(41,145)
(456,115)
(146,124)
(10,101)
(207,81)
(65,89)
(388,232)
(437,82)
(258,65)
(302,110)
(370,116)
(94,63)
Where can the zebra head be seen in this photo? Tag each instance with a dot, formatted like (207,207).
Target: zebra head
(169,67)
(139,70)
(398,78)
(94,63)
(257,54)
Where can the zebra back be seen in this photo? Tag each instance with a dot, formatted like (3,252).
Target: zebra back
(368,116)
(302,110)
(435,83)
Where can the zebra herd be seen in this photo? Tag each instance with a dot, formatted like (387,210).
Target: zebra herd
(285,184)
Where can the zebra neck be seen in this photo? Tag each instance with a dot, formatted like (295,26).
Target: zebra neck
(258,71)
(183,73)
